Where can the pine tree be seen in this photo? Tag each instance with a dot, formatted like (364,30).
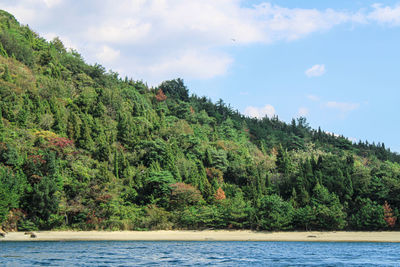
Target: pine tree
(282,161)
(116,170)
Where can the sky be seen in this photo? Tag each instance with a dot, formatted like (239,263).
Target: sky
(334,62)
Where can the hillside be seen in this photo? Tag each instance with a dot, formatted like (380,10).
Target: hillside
(82,148)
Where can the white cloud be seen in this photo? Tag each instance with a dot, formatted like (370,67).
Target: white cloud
(52,3)
(316,70)
(303,111)
(281,23)
(385,14)
(342,106)
(159,39)
(49,36)
(127,31)
(261,112)
(189,64)
(107,54)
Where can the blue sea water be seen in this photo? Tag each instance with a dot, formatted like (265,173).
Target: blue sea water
(213,253)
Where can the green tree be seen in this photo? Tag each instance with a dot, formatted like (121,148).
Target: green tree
(12,188)
(328,209)
(368,215)
(274,213)
(156,188)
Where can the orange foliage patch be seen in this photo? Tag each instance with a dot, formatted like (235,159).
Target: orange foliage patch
(160,96)
(220,194)
(388,215)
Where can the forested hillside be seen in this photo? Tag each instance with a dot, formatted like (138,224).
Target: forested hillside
(82,148)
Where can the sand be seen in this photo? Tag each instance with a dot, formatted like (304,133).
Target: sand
(208,235)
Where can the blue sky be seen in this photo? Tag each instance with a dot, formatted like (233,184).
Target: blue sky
(334,62)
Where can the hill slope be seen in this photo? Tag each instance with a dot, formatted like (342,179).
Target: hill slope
(81,148)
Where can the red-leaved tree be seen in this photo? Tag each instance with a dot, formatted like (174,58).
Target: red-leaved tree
(160,96)
(220,194)
(184,194)
(388,215)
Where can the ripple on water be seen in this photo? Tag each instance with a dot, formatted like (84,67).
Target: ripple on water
(212,253)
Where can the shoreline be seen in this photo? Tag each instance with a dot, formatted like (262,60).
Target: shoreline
(205,235)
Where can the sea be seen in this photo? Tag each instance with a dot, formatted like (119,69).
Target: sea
(198,253)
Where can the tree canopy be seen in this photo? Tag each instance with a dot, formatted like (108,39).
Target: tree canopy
(82,148)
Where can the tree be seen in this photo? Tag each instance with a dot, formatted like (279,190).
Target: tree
(282,161)
(368,215)
(304,218)
(236,211)
(274,213)
(220,194)
(160,96)
(157,188)
(175,89)
(388,215)
(58,45)
(12,188)
(183,195)
(42,202)
(328,209)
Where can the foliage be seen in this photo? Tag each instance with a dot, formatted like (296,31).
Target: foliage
(184,195)
(82,148)
(274,213)
(388,215)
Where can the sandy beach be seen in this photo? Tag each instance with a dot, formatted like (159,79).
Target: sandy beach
(208,235)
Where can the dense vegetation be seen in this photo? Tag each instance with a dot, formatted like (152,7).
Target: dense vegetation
(81,148)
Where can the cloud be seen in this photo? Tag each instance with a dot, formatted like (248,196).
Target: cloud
(107,54)
(280,23)
(303,112)
(259,113)
(159,39)
(342,106)
(165,39)
(126,31)
(316,70)
(385,14)
(52,3)
(49,36)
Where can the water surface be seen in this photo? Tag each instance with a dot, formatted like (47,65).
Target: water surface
(198,253)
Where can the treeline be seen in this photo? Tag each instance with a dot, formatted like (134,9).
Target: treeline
(82,148)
